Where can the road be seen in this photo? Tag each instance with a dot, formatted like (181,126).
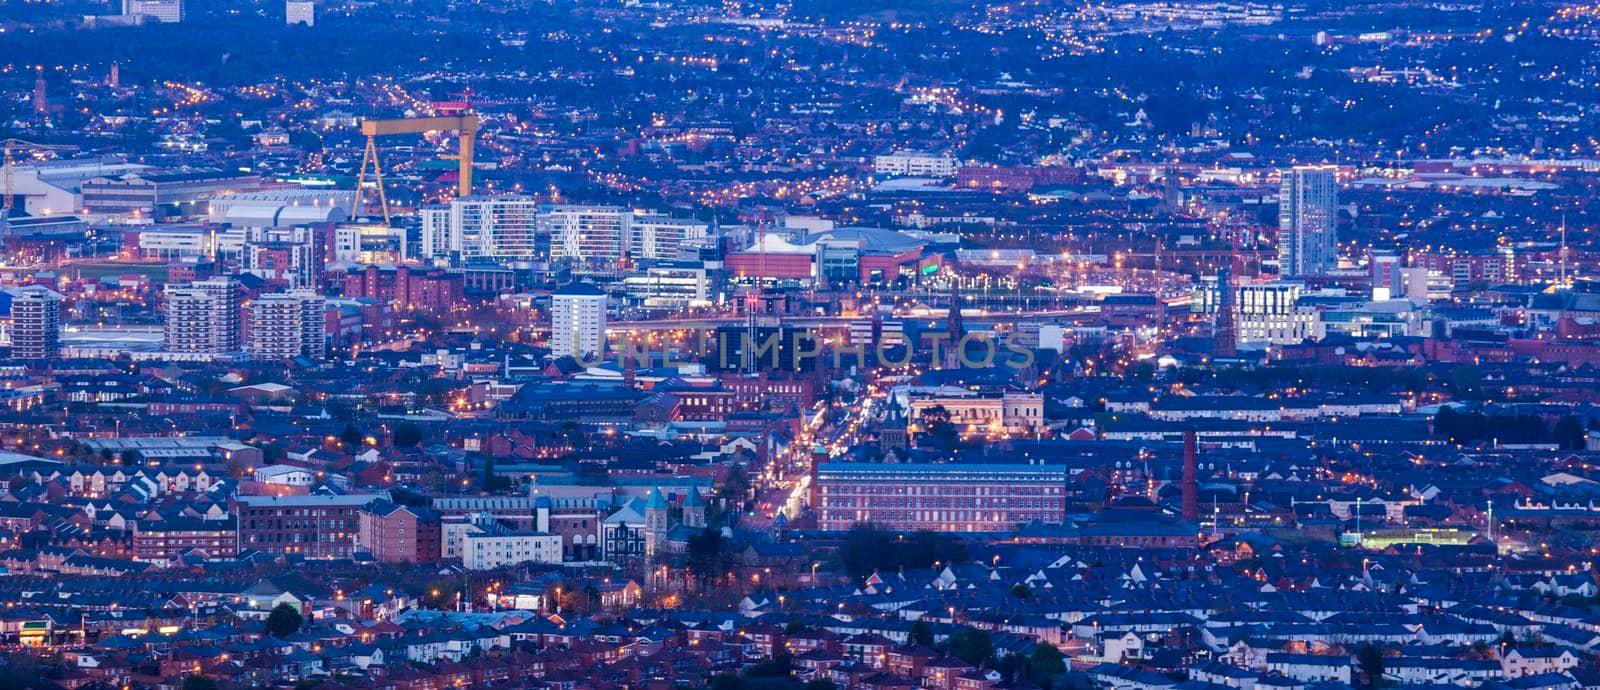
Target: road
(971,316)
(784,485)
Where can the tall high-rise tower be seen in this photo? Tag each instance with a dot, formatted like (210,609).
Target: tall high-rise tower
(1225,328)
(578,321)
(288,325)
(204,316)
(35,323)
(1308,214)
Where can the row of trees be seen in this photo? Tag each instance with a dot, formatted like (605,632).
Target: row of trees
(1467,428)
(868,548)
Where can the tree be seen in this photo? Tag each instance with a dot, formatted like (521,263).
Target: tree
(1445,423)
(937,424)
(350,438)
(775,667)
(735,487)
(407,435)
(921,633)
(1045,663)
(868,548)
(572,435)
(1370,659)
(283,621)
(1021,591)
(820,684)
(305,140)
(491,480)
(198,683)
(1569,433)
(706,555)
(971,645)
(1466,383)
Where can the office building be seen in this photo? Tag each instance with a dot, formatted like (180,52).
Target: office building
(950,497)
(35,323)
(577,320)
(181,192)
(171,243)
(287,325)
(1271,314)
(369,243)
(669,285)
(1308,216)
(1383,270)
(300,12)
(204,317)
(1262,313)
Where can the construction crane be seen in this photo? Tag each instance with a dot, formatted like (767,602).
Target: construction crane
(10,146)
(466,125)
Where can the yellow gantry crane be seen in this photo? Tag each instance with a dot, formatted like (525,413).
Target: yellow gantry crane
(8,190)
(466,125)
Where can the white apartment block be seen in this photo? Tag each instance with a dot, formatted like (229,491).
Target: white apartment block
(492,227)
(166,11)
(659,237)
(300,12)
(587,233)
(510,228)
(577,320)
(498,548)
(915,164)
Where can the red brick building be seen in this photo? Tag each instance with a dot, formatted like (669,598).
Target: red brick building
(410,289)
(310,526)
(399,534)
(162,541)
(954,497)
